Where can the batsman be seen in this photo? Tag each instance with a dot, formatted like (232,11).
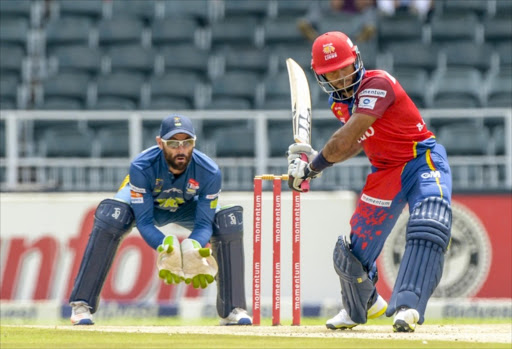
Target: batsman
(171,182)
(408,166)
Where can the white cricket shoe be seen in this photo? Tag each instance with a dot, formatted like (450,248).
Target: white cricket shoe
(405,320)
(238,316)
(81,313)
(342,321)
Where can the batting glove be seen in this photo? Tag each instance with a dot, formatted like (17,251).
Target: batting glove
(299,171)
(169,261)
(199,266)
(297,149)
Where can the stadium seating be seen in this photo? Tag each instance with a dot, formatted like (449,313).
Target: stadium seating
(245,58)
(399,29)
(68,31)
(8,91)
(180,90)
(234,86)
(200,10)
(65,142)
(79,59)
(171,32)
(11,59)
(123,87)
(468,54)
(454,27)
(414,82)
(464,139)
(236,31)
(87,9)
(458,88)
(282,31)
(120,31)
(14,32)
(414,55)
(132,59)
(141,9)
(291,9)
(70,87)
(500,91)
(113,142)
(185,58)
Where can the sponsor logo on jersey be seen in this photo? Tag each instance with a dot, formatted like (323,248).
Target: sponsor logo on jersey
(329,51)
(137,189)
(367,102)
(370,132)
(431,174)
(467,260)
(192,186)
(159,183)
(173,190)
(375,201)
(136,198)
(373,92)
(212,196)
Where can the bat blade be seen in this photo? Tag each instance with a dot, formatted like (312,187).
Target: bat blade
(301,108)
(301,102)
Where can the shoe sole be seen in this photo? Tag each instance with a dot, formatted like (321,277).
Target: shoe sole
(86,322)
(347,327)
(402,326)
(379,313)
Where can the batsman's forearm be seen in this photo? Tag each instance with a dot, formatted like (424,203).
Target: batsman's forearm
(339,149)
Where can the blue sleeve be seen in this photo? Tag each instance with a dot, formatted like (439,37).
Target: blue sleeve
(205,212)
(142,205)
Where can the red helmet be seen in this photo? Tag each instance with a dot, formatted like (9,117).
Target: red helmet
(332,51)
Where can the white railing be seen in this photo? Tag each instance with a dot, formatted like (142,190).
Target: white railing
(23,169)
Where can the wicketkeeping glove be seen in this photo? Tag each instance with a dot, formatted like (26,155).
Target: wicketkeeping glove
(169,261)
(199,266)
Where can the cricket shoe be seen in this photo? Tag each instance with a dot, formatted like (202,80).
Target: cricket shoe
(238,316)
(342,321)
(81,314)
(405,320)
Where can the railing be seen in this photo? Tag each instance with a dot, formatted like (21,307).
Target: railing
(22,169)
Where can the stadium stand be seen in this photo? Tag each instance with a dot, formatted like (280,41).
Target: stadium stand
(230,55)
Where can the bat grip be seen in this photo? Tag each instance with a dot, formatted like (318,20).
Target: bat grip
(305,184)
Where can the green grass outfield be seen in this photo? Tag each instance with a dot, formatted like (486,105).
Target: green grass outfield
(18,334)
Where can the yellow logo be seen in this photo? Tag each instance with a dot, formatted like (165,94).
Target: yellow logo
(328,48)
(177,121)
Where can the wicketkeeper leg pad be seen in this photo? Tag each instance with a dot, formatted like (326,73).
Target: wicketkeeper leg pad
(421,268)
(112,221)
(357,290)
(228,250)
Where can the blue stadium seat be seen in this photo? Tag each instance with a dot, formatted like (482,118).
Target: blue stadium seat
(246,58)
(233,31)
(236,9)
(200,10)
(81,59)
(174,31)
(15,9)
(292,9)
(468,54)
(87,9)
(142,9)
(113,142)
(11,59)
(454,27)
(498,29)
(399,29)
(8,91)
(276,92)
(68,31)
(414,82)
(14,32)
(65,142)
(120,86)
(500,91)
(235,85)
(132,58)
(185,58)
(70,86)
(172,87)
(414,55)
(282,31)
(120,31)
(458,88)
(464,139)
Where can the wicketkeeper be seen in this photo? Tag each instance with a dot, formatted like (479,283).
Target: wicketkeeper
(171,182)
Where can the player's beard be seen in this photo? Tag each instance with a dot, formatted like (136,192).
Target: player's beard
(179,161)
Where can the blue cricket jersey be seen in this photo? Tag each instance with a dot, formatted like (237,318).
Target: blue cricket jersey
(158,197)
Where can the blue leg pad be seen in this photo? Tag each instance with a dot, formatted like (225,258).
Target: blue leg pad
(112,221)
(421,268)
(228,250)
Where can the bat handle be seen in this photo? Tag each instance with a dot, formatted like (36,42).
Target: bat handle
(305,184)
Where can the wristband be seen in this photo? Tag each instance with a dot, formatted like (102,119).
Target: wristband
(319,163)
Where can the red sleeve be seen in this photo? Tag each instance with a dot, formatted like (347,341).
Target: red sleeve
(374,97)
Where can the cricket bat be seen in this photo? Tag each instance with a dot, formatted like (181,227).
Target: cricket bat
(301,107)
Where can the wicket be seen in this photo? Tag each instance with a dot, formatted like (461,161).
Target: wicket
(257,227)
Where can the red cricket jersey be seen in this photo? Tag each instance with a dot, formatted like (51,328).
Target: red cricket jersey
(395,137)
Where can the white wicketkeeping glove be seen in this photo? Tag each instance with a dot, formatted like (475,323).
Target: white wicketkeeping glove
(169,261)
(199,266)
